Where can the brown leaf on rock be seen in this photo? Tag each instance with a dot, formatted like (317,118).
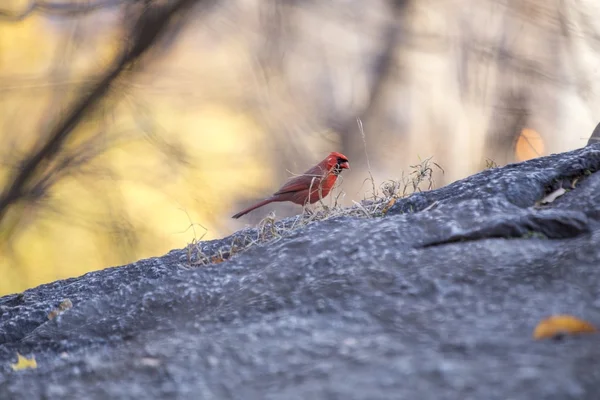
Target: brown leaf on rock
(63,306)
(389,205)
(217,259)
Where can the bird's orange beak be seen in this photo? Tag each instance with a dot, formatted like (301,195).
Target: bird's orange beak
(345,165)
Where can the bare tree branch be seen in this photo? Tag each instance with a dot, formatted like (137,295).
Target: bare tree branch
(383,71)
(149,28)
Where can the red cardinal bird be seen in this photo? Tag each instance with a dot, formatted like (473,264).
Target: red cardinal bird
(319,180)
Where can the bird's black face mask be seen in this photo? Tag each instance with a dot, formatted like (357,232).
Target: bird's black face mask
(341,163)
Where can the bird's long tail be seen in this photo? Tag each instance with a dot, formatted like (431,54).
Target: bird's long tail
(254,207)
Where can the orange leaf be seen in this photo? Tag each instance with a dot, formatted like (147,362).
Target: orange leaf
(529,145)
(389,205)
(63,306)
(558,325)
(217,259)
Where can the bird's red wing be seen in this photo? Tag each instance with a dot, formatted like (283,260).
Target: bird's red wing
(302,182)
(295,185)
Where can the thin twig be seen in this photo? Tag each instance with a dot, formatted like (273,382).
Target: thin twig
(148,29)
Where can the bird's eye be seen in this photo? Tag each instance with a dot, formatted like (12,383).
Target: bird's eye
(341,160)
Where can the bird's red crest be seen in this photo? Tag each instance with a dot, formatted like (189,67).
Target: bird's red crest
(337,158)
(337,155)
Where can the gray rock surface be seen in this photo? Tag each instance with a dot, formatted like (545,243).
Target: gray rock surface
(436,300)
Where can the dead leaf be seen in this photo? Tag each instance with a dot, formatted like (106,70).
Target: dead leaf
(217,259)
(63,306)
(24,363)
(389,205)
(559,325)
(574,182)
(553,196)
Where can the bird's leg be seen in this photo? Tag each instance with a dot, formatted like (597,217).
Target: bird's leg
(308,210)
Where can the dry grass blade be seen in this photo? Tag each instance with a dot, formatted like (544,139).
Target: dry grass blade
(364,139)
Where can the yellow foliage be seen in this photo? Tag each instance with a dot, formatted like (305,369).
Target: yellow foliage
(34,46)
(18,54)
(158,212)
(24,363)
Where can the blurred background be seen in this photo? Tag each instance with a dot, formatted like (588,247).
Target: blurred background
(130,128)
